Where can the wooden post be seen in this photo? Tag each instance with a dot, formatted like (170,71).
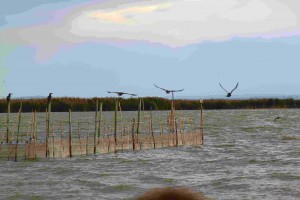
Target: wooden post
(46,136)
(96,124)
(62,138)
(53,143)
(151,127)
(79,138)
(48,128)
(100,121)
(132,134)
(7,121)
(201,121)
(139,118)
(116,118)
(161,135)
(87,140)
(70,134)
(34,134)
(19,124)
(176,134)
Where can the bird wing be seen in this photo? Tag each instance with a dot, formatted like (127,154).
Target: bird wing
(116,92)
(177,90)
(160,87)
(235,87)
(132,94)
(222,87)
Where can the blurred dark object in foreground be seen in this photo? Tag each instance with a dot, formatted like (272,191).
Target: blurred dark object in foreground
(172,194)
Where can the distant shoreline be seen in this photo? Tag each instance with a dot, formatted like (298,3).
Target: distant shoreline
(63,104)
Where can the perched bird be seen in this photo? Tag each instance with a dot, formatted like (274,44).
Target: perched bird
(121,93)
(169,91)
(8,97)
(229,93)
(49,98)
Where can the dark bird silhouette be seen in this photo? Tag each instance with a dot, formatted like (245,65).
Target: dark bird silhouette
(277,118)
(49,98)
(229,93)
(169,91)
(121,93)
(8,97)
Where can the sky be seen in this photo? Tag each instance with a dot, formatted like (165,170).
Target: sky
(81,48)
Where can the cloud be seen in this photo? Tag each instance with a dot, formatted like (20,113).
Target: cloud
(173,23)
(178,23)
(123,16)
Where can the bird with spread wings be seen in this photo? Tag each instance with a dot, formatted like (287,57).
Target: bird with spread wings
(122,93)
(229,93)
(169,91)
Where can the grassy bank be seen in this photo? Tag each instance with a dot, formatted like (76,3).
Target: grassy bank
(63,104)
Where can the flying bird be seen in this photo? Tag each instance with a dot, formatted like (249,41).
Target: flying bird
(8,97)
(169,91)
(49,98)
(121,93)
(229,93)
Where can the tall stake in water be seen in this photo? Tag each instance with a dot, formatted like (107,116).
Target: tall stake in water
(70,134)
(116,118)
(95,132)
(49,98)
(151,127)
(132,134)
(100,121)
(8,116)
(19,124)
(201,121)
(139,117)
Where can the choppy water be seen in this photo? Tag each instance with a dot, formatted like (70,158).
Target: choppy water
(246,155)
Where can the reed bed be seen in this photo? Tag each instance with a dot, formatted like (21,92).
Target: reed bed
(63,104)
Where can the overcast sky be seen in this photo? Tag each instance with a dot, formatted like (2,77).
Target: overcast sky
(84,48)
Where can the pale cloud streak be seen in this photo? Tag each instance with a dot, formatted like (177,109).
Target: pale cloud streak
(180,23)
(122,16)
(174,23)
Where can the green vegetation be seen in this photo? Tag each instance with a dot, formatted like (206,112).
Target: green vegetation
(63,104)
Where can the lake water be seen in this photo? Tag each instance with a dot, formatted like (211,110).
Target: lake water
(246,155)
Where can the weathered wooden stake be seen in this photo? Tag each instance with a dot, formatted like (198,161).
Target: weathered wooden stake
(53,143)
(96,124)
(18,133)
(176,134)
(132,135)
(7,121)
(139,118)
(100,121)
(70,134)
(46,137)
(201,121)
(62,138)
(115,122)
(87,140)
(151,127)
(34,133)
(161,135)
(79,137)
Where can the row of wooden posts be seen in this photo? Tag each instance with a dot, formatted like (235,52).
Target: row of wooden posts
(134,139)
